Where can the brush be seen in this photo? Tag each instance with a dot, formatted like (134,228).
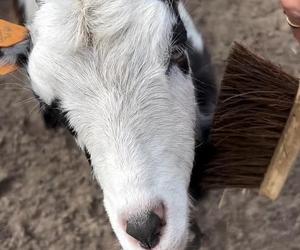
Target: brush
(255,137)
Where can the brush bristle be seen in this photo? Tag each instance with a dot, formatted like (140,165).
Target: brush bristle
(254,104)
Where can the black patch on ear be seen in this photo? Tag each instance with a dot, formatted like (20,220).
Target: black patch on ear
(22,60)
(54,116)
(87,155)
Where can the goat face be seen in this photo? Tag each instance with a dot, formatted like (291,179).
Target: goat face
(117,74)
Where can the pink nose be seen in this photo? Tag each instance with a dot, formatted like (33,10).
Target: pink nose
(146,229)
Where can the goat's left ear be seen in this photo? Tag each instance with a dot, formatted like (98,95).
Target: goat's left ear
(15,45)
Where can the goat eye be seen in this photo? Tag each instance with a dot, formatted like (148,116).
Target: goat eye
(180,59)
(178,55)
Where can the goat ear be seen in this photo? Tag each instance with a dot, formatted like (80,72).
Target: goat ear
(14,47)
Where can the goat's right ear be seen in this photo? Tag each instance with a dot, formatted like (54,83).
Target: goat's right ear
(15,44)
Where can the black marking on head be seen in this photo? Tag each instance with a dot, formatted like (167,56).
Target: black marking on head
(87,155)
(54,116)
(179,32)
(204,79)
(179,42)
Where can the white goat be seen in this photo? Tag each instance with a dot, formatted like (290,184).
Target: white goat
(121,76)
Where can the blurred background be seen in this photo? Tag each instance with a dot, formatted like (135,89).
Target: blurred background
(49,199)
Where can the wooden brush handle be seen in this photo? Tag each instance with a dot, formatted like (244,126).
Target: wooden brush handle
(285,154)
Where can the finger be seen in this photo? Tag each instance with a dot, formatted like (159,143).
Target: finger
(292,10)
(295,30)
(292,5)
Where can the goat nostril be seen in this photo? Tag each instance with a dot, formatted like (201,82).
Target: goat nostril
(145,228)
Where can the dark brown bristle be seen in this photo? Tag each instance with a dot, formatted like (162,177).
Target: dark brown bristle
(254,104)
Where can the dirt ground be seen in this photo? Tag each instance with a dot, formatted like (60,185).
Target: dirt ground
(49,200)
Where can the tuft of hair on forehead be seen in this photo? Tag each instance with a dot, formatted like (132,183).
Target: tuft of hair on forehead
(90,34)
(83,35)
(93,21)
(85,23)
(110,19)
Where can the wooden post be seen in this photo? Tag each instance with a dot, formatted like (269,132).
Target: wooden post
(285,154)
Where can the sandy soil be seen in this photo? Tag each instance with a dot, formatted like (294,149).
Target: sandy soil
(49,200)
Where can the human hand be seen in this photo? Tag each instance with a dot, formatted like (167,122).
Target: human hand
(292,11)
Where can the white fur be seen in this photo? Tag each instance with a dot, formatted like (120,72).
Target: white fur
(106,62)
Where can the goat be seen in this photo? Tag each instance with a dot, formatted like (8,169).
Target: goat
(133,83)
